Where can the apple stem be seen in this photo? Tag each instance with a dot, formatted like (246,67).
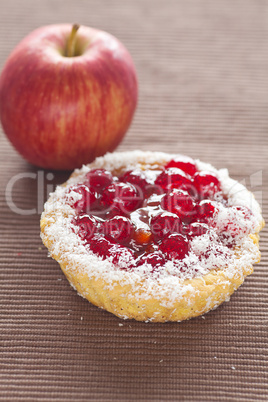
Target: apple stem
(70,49)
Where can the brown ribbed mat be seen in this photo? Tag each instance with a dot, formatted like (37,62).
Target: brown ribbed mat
(203,76)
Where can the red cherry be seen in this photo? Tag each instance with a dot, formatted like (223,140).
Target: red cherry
(173,178)
(155,259)
(88,200)
(116,253)
(100,246)
(119,229)
(175,246)
(109,195)
(87,226)
(207,184)
(138,179)
(206,211)
(181,203)
(164,224)
(184,163)
(99,178)
(113,211)
(121,195)
(185,229)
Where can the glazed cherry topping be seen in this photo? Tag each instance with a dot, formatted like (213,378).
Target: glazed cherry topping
(119,229)
(184,163)
(123,196)
(207,184)
(181,203)
(173,178)
(164,224)
(175,246)
(99,178)
(133,221)
(88,200)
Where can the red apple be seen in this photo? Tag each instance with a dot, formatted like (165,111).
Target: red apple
(67,95)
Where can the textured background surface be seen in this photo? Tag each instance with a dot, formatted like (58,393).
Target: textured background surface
(203,75)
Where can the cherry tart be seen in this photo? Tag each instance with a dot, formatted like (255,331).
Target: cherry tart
(153,236)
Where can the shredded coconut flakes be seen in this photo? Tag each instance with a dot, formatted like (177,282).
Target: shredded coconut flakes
(170,280)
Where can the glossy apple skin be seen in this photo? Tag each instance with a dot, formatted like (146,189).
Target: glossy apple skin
(61,112)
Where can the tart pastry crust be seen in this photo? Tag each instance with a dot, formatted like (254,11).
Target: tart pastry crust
(130,294)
